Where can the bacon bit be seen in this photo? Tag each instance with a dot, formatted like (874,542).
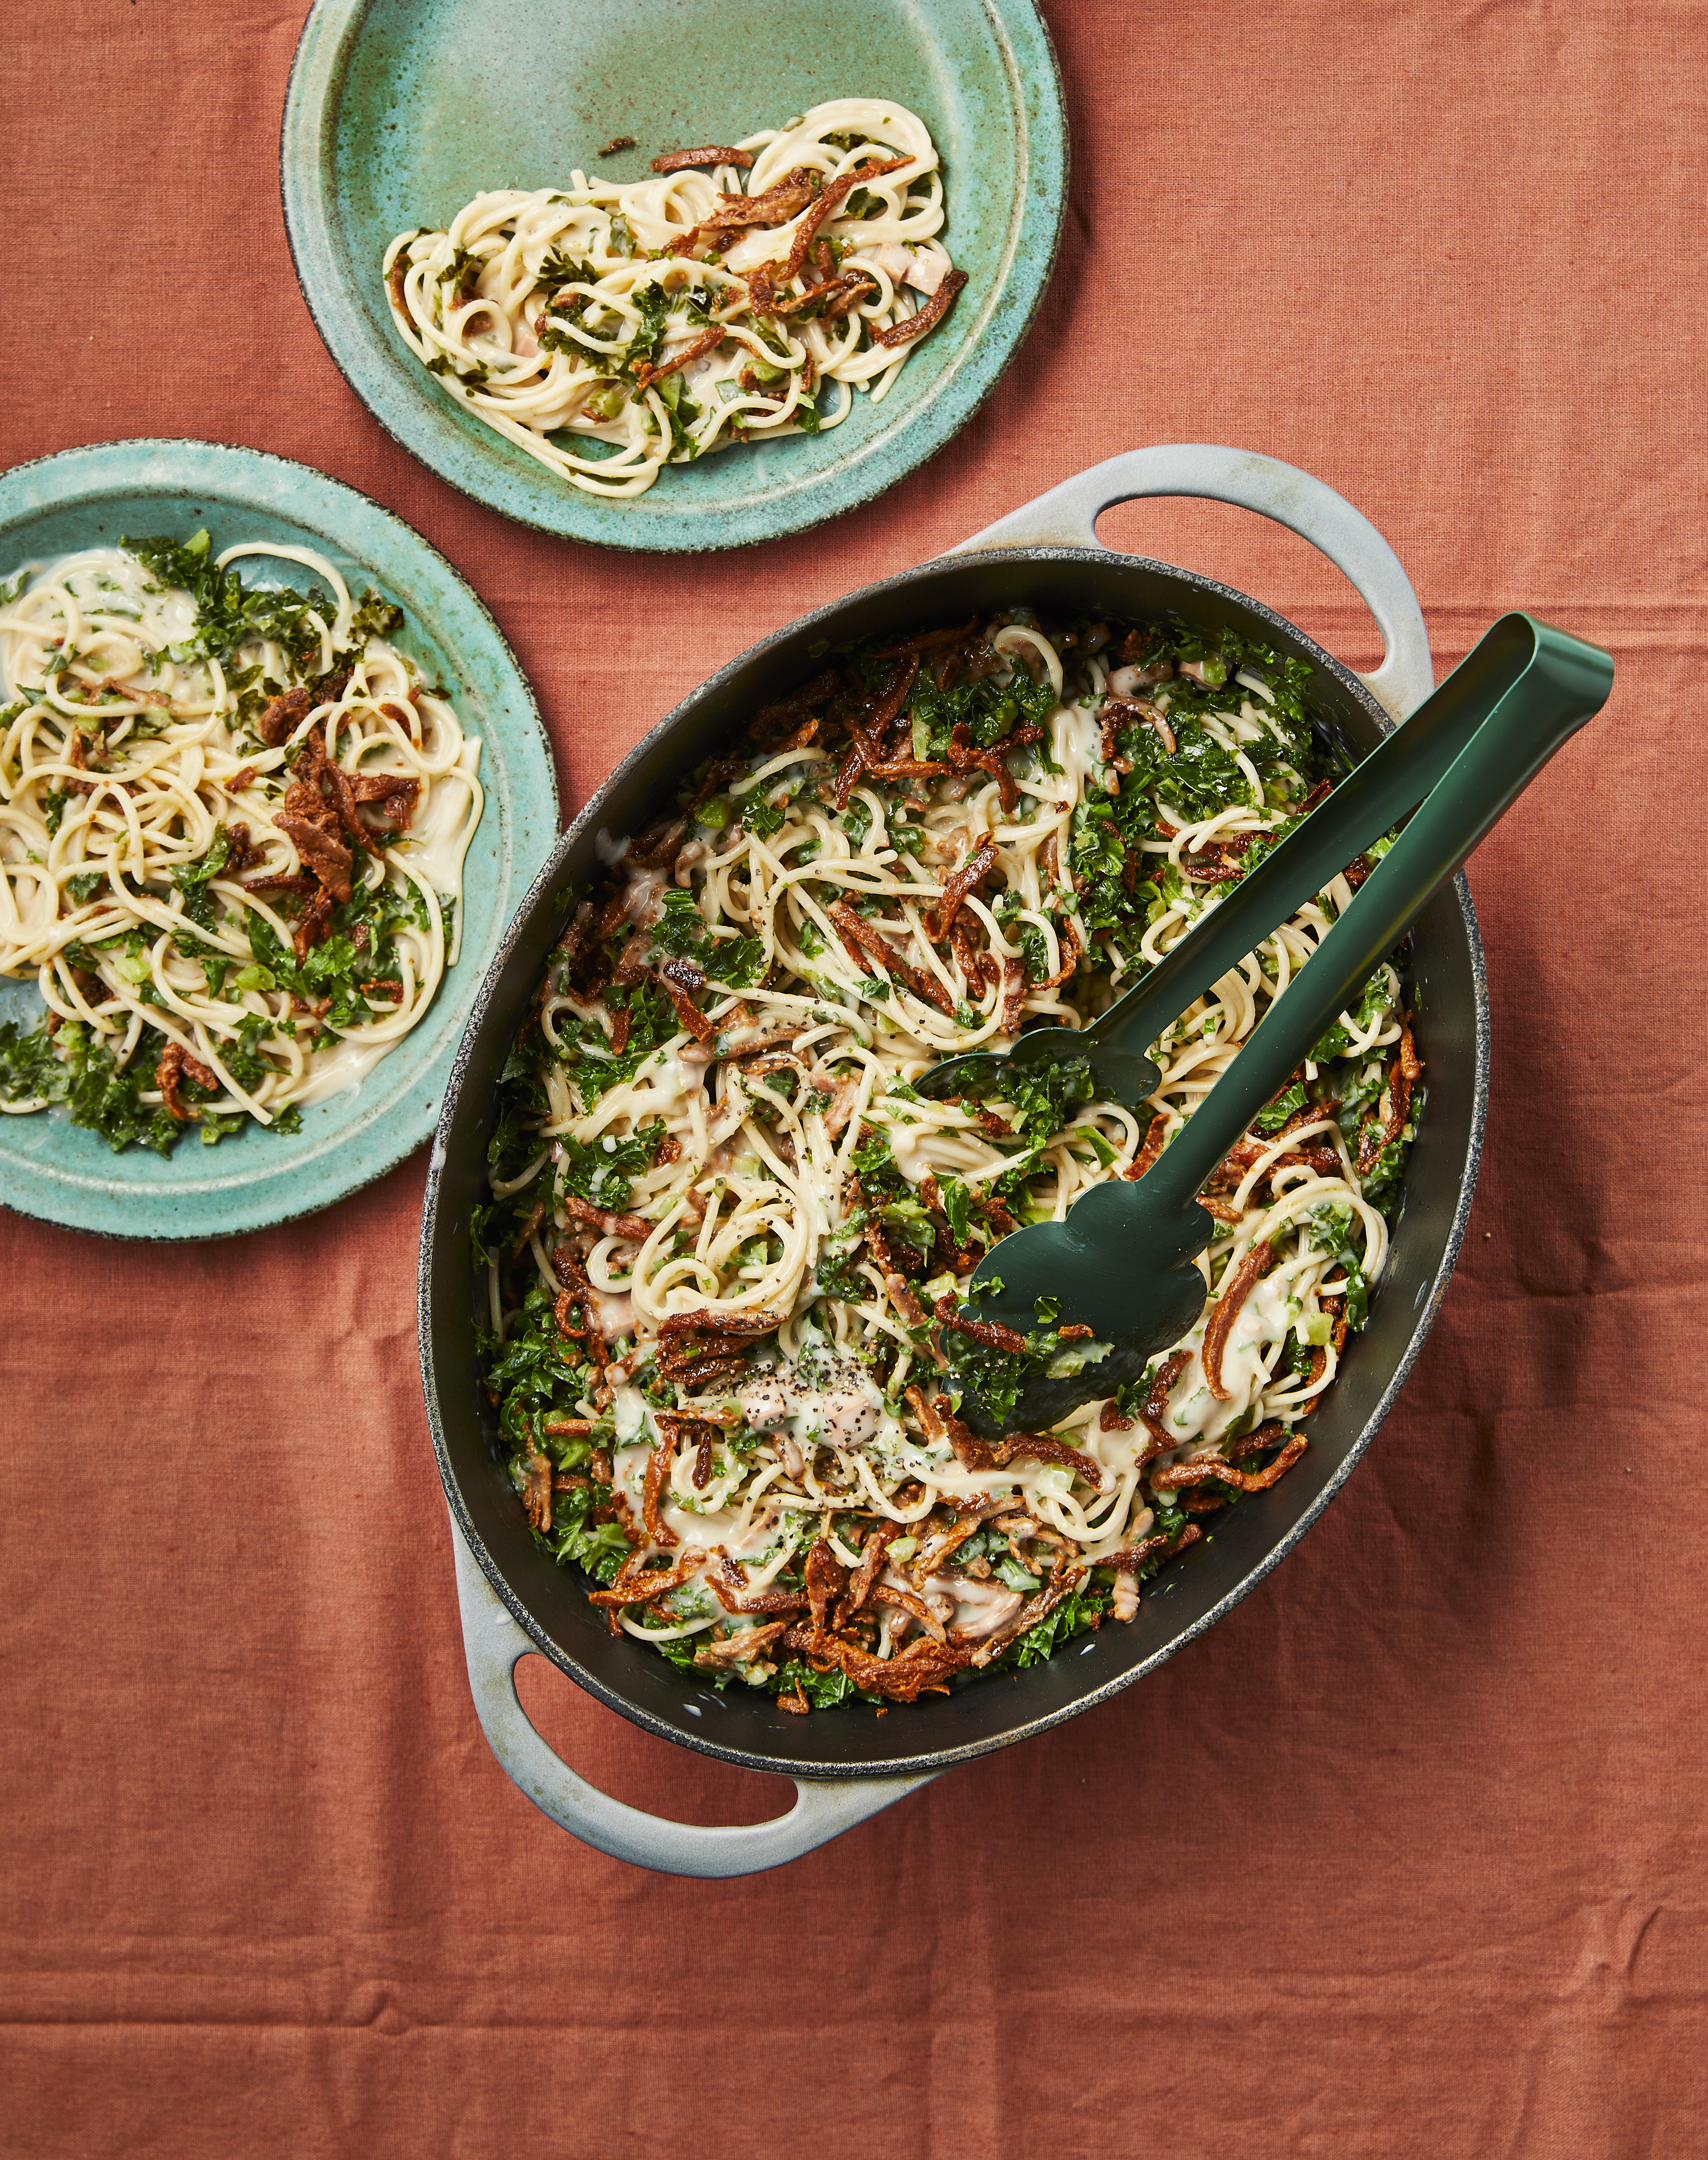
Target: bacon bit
(990,1332)
(855,931)
(646,375)
(796,1703)
(633,1226)
(568,1304)
(1112,1420)
(579,1426)
(634,1587)
(1214,1471)
(977,867)
(1245,1278)
(730,1587)
(926,318)
(669,1150)
(621,1022)
(394,277)
(1156,1406)
(282,714)
(177,1065)
(244,777)
(385,985)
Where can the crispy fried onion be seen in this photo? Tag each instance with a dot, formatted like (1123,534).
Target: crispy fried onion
(936,1416)
(860,939)
(1235,1290)
(634,1227)
(1213,1470)
(176,1065)
(696,1346)
(739,1648)
(729,1585)
(927,317)
(957,885)
(635,1585)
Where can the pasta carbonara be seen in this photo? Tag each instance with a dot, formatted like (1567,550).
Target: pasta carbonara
(232,826)
(728,1240)
(704,306)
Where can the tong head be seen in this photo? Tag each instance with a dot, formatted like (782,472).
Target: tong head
(1123,1263)
(1114,1075)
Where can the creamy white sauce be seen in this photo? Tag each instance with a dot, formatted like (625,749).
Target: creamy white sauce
(841,1406)
(343,1065)
(437,836)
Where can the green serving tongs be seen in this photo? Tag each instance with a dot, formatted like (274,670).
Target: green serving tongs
(1124,1260)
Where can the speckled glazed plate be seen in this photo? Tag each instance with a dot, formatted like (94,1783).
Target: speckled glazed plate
(398,110)
(84,498)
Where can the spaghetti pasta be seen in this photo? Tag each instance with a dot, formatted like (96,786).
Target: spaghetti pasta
(678,314)
(728,1240)
(233,826)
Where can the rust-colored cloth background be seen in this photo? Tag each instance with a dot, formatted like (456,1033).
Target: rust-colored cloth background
(1407,1856)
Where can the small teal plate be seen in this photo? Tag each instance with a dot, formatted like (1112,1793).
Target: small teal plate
(398,110)
(86,498)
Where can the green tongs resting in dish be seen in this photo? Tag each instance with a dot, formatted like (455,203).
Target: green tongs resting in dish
(1124,1260)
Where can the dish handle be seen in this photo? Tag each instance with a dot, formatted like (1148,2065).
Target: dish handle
(1067,516)
(494,1645)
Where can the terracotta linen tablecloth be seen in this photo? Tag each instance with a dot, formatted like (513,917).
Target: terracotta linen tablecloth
(1407,1856)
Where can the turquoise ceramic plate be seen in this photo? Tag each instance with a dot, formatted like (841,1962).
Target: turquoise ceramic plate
(87,498)
(399,111)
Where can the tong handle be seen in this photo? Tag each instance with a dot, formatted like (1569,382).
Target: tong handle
(1522,694)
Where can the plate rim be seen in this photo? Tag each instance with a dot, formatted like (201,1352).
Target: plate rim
(32,1187)
(319,67)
